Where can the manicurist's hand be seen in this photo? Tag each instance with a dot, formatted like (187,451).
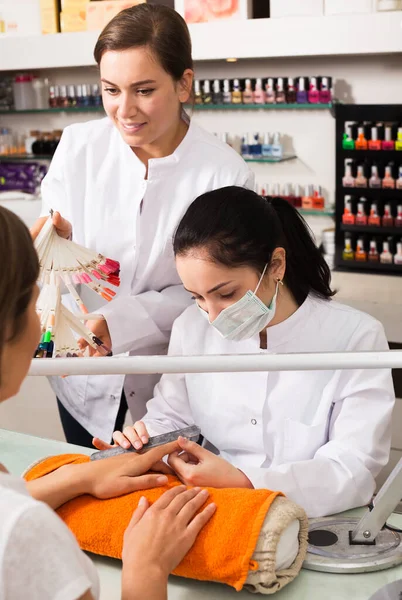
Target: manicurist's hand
(135,435)
(195,465)
(63,227)
(158,538)
(101,330)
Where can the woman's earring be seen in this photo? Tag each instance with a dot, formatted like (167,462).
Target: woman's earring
(279,280)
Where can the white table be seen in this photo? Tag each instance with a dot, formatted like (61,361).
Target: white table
(18,451)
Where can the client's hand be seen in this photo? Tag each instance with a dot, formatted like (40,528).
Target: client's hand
(135,436)
(159,537)
(101,330)
(195,465)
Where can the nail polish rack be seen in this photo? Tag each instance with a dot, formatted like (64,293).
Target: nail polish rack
(368,207)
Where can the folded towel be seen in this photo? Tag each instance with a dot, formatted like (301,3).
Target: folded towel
(237,547)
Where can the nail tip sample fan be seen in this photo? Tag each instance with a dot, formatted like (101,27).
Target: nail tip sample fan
(61,262)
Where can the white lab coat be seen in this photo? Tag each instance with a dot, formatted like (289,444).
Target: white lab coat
(97,182)
(321,437)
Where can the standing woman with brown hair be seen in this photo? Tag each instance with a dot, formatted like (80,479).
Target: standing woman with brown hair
(122,185)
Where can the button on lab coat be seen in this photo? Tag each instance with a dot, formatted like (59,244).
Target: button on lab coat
(321,437)
(97,182)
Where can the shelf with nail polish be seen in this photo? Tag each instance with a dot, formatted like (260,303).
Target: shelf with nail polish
(309,200)
(375,252)
(270,159)
(372,137)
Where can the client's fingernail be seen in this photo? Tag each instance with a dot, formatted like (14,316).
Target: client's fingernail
(162,479)
(205,493)
(142,501)
(137,445)
(126,444)
(144,439)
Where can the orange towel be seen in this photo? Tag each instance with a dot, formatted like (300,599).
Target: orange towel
(223,550)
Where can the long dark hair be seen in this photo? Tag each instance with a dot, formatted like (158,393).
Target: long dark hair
(18,275)
(240,228)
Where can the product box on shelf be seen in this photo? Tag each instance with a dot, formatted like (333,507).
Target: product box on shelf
(73,16)
(49,14)
(297,8)
(100,12)
(202,11)
(20,17)
(343,7)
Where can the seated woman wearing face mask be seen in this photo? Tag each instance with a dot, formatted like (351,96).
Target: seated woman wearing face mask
(261,285)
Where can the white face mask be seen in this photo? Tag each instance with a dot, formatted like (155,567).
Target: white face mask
(246,317)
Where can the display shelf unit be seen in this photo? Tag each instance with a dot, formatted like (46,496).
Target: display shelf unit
(23,157)
(219,40)
(365,113)
(68,109)
(271,159)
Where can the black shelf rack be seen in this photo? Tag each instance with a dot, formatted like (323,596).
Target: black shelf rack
(365,113)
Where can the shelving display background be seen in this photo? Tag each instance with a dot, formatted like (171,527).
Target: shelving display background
(384,113)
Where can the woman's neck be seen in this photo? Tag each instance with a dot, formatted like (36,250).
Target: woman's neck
(286,306)
(164,146)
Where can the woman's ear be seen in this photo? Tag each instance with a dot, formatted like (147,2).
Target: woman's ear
(185,86)
(278,264)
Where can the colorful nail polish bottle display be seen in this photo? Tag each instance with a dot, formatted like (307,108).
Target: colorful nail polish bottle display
(374,143)
(307,199)
(388,143)
(360,254)
(348,142)
(291,95)
(236,92)
(269,91)
(325,92)
(259,95)
(280,91)
(374,181)
(313,95)
(227,94)
(386,256)
(398,255)
(398,143)
(373,255)
(388,182)
(298,196)
(374,218)
(216,92)
(348,218)
(267,146)
(399,180)
(318,198)
(361,142)
(348,253)
(348,179)
(277,149)
(206,92)
(387,218)
(248,92)
(301,91)
(361,217)
(361,179)
(398,219)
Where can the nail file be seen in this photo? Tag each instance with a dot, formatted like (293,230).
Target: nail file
(192,433)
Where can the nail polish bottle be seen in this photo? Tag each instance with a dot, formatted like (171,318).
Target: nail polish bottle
(280,91)
(388,143)
(227,95)
(216,92)
(206,92)
(348,218)
(257,146)
(291,195)
(269,91)
(398,218)
(361,180)
(398,255)
(277,148)
(307,199)
(373,255)
(388,182)
(325,92)
(53,96)
(318,198)
(387,219)
(360,254)
(259,95)
(348,253)
(348,179)
(374,219)
(248,93)
(85,98)
(291,96)
(287,194)
(96,97)
(374,181)
(399,180)
(197,92)
(348,142)
(374,143)
(63,100)
(267,146)
(361,142)
(361,217)
(398,143)
(72,100)
(386,257)
(313,94)
(301,91)
(275,191)
(244,148)
(297,200)
(252,146)
(265,190)
(236,92)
